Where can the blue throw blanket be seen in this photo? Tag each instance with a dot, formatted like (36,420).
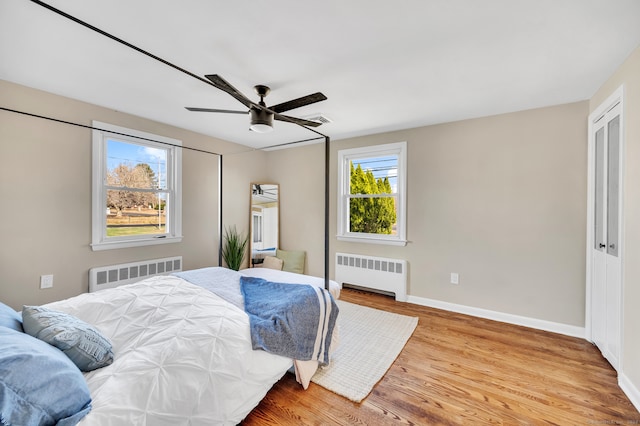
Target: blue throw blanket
(292,320)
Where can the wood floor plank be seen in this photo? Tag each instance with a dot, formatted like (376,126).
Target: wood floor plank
(457,369)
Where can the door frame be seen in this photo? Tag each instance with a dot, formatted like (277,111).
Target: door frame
(617,97)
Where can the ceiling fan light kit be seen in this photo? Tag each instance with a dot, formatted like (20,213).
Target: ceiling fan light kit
(262,116)
(261,120)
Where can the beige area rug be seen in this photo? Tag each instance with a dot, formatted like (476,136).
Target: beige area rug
(370,340)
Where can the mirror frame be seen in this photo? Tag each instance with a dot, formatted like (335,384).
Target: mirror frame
(253,263)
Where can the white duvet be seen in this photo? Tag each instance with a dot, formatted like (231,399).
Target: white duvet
(182,356)
(226,284)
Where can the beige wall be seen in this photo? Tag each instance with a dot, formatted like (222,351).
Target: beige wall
(300,173)
(629,76)
(45,173)
(240,170)
(500,200)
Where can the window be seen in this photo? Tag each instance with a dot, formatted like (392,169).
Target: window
(372,185)
(136,188)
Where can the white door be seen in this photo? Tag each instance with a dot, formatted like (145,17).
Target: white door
(605,251)
(270,228)
(256,231)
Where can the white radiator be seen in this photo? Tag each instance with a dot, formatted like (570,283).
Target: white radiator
(127,273)
(377,273)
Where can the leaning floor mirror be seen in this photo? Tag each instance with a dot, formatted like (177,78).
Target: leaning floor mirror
(264,222)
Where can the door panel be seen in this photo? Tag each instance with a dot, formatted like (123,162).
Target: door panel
(613,291)
(613,283)
(605,262)
(599,297)
(613,184)
(599,310)
(599,211)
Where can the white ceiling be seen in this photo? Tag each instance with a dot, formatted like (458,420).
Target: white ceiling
(384,65)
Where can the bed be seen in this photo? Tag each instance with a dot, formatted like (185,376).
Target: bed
(183,354)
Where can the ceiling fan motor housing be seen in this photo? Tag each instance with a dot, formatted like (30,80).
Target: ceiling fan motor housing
(260,117)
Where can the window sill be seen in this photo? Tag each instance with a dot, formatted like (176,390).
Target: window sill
(134,243)
(372,240)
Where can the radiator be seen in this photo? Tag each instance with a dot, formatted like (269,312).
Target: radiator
(376,273)
(127,273)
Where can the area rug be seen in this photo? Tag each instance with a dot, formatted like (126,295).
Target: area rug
(370,340)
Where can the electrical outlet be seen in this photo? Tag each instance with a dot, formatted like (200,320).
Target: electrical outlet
(46,281)
(455,278)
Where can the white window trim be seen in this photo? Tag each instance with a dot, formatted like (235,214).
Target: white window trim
(99,240)
(344,158)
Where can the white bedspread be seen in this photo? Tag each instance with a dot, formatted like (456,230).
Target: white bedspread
(183,356)
(226,283)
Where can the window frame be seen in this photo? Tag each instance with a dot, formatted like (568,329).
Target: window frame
(100,134)
(345,156)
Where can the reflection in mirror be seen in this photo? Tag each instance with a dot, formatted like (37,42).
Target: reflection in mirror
(264,225)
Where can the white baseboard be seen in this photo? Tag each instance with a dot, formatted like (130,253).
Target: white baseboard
(630,390)
(568,330)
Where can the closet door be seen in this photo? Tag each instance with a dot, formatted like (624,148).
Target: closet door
(598,255)
(606,277)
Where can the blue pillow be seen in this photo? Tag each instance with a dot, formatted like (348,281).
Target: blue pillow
(39,385)
(10,318)
(81,342)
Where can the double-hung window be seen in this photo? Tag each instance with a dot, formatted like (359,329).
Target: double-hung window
(372,194)
(136,188)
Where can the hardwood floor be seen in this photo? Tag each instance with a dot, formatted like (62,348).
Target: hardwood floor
(458,369)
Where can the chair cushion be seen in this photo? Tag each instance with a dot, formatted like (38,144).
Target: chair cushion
(293,261)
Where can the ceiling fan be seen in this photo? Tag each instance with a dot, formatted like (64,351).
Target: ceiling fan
(261,117)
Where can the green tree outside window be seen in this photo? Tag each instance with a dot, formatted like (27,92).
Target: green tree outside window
(375,214)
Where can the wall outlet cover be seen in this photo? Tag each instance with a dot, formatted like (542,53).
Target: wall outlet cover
(46,281)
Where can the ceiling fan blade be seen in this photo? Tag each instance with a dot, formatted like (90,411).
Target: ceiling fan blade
(302,121)
(227,111)
(297,103)
(225,86)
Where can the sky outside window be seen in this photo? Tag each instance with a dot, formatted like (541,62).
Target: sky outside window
(381,167)
(131,154)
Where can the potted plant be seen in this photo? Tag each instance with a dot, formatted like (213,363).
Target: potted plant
(233,248)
